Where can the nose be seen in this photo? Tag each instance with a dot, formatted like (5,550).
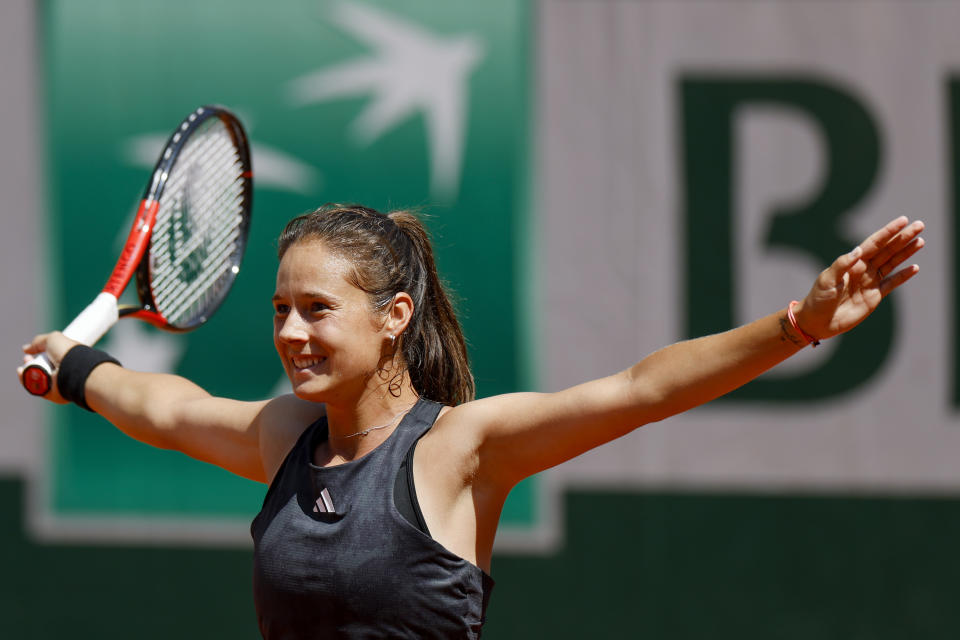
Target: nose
(291,329)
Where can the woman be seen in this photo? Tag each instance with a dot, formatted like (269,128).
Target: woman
(386,477)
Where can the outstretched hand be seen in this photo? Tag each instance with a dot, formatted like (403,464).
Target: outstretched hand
(848,291)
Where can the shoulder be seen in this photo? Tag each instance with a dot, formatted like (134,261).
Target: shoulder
(502,439)
(459,433)
(449,441)
(281,422)
(457,422)
(472,420)
(452,466)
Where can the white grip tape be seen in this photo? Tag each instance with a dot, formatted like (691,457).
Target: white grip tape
(95,320)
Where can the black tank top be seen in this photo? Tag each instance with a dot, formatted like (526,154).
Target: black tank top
(334,558)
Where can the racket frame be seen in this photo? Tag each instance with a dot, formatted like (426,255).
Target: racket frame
(104,311)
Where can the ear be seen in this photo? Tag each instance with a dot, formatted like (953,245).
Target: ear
(399,314)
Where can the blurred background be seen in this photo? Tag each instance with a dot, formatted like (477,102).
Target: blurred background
(602,178)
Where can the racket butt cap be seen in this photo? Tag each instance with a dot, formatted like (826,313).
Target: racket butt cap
(36,380)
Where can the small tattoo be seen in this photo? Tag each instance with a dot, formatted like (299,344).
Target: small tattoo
(785,334)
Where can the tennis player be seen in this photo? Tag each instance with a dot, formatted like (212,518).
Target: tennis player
(386,477)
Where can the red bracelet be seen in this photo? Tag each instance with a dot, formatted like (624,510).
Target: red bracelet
(793,323)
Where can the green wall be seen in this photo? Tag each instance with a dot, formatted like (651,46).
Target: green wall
(634,565)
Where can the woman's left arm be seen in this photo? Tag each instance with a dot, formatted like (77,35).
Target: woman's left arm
(520,434)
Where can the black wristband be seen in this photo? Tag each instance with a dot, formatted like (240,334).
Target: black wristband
(74,370)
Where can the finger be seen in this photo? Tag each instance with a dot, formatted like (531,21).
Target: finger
(892,282)
(880,238)
(902,239)
(37,345)
(900,257)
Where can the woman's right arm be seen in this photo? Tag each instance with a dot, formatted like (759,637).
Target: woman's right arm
(249,439)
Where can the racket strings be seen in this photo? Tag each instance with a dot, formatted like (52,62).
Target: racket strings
(194,233)
(183,294)
(210,166)
(197,240)
(217,201)
(188,303)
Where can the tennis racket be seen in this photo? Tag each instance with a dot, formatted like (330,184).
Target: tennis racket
(187,239)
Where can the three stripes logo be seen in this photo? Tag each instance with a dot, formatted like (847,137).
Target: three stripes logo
(324,503)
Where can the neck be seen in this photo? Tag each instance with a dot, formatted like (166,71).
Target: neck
(357,428)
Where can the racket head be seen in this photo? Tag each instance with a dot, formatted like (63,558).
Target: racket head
(203,189)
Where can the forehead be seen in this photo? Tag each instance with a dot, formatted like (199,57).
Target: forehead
(311,263)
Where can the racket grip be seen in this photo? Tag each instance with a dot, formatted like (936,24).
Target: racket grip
(88,327)
(95,320)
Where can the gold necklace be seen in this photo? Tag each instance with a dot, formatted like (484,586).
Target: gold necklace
(369,429)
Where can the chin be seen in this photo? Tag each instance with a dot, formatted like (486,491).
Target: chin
(310,391)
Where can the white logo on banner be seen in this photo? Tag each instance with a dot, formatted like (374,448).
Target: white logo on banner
(411,70)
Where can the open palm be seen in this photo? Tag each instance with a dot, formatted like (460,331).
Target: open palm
(848,291)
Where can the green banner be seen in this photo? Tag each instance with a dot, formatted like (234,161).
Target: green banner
(389,104)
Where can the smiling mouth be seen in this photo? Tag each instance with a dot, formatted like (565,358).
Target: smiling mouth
(301,363)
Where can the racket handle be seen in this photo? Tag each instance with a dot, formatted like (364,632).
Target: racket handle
(88,327)
(95,320)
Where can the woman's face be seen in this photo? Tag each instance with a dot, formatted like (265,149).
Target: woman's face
(329,339)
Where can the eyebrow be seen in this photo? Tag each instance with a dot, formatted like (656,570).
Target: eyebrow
(308,294)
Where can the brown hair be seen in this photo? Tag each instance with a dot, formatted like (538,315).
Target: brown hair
(392,253)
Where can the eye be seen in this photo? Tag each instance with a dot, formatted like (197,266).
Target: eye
(281,309)
(318,307)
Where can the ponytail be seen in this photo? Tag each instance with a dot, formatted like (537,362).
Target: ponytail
(433,345)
